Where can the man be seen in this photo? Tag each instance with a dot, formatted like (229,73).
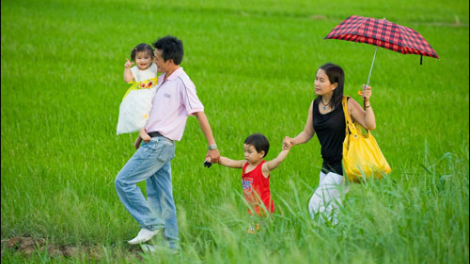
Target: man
(174,101)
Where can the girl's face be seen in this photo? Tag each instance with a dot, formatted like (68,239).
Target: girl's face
(251,155)
(322,84)
(143,60)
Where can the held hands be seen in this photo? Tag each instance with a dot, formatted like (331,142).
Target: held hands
(287,143)
(207,162)
(128,64)
(213,156)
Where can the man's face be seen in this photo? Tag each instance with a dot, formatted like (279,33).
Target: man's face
(162,66)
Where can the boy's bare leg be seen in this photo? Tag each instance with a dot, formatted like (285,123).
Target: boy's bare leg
(143,134)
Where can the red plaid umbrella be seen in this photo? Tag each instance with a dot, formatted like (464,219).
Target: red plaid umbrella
(382,33)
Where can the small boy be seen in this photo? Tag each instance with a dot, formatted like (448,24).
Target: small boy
(256,172)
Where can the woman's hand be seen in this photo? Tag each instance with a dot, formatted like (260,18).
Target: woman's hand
(365,117)
(287,143)
(366,92)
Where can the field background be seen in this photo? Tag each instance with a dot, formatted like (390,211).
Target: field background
(253,63)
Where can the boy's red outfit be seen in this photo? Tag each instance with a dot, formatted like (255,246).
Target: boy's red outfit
(256,190)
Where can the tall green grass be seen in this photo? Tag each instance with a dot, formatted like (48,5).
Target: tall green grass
(253,63)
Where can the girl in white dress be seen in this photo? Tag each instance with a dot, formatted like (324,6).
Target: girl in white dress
(137,102)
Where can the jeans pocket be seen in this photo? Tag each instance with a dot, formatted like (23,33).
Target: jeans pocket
(167,152)
(159,149)
(163,149)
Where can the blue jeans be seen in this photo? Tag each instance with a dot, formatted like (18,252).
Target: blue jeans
(151,162)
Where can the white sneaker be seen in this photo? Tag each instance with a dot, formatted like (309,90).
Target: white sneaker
(144,235)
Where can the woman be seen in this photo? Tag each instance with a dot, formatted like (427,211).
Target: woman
(326,118)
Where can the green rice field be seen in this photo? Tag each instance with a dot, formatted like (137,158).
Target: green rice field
(254,65)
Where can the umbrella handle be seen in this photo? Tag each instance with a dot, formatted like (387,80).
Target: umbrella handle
(370,72)
(372,66)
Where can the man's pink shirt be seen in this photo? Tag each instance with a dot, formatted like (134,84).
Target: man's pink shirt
(174,101)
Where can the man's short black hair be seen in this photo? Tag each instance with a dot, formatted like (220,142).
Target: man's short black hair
(171,47)
(259,141)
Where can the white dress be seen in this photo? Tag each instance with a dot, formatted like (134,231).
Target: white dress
(137,102)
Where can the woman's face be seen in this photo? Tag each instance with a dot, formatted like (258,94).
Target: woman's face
(322,84)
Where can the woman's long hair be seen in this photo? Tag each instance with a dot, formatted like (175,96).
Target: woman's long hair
(336,75)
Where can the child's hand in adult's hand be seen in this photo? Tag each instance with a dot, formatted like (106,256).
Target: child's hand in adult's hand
(213,155)
(287,143)
(207,162)
(128,64)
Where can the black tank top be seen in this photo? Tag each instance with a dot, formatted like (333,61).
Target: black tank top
(331,132)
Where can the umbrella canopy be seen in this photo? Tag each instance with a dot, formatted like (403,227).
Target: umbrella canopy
(382,33)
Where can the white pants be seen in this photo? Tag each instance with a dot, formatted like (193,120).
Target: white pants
(326,200)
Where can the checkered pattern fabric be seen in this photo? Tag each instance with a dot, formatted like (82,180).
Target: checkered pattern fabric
(382,33)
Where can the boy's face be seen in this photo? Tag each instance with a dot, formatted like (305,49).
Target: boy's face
(251,155)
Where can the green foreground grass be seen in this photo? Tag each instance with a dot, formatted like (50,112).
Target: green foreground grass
(253,63)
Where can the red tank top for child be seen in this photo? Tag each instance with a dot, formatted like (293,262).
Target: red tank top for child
(256,190)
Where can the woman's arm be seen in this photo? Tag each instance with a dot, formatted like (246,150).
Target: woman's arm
(365,118)
(307,133)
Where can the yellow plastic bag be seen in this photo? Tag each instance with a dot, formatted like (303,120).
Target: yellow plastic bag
(362,157)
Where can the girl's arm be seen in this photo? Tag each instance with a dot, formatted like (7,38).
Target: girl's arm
(272,164)
(365,118)
(238,164)
(307,133)
(128,76)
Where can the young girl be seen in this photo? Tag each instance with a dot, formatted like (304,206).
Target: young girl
(142,76)
(256,172)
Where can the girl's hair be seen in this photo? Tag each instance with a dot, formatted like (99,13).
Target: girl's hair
(141,47)
(259,141)
(335,75)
